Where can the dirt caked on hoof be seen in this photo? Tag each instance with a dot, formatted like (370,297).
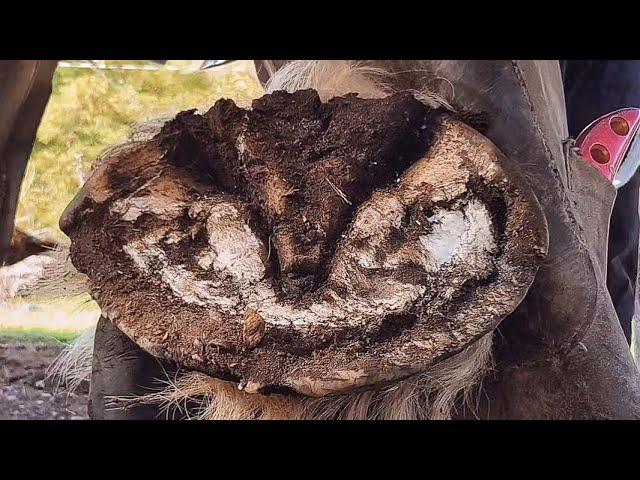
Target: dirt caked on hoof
(308,246)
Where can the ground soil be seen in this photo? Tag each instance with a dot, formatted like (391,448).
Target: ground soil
(24,392)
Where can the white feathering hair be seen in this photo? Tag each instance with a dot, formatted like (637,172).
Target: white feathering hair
(429,395)
(72,366)
(334,78)
(59,278)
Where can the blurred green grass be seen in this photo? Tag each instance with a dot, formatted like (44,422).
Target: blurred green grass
(38,335)
(91,110)
(39,319)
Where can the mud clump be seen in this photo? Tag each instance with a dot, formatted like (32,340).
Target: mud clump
(303,165)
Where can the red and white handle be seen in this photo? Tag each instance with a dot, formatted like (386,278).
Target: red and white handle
(607,142)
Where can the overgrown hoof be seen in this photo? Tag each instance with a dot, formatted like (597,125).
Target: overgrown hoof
(308,246)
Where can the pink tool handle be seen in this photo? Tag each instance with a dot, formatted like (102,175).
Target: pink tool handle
(605,142)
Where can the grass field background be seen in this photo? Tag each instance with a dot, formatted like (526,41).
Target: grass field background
(91,109)
(36,319)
